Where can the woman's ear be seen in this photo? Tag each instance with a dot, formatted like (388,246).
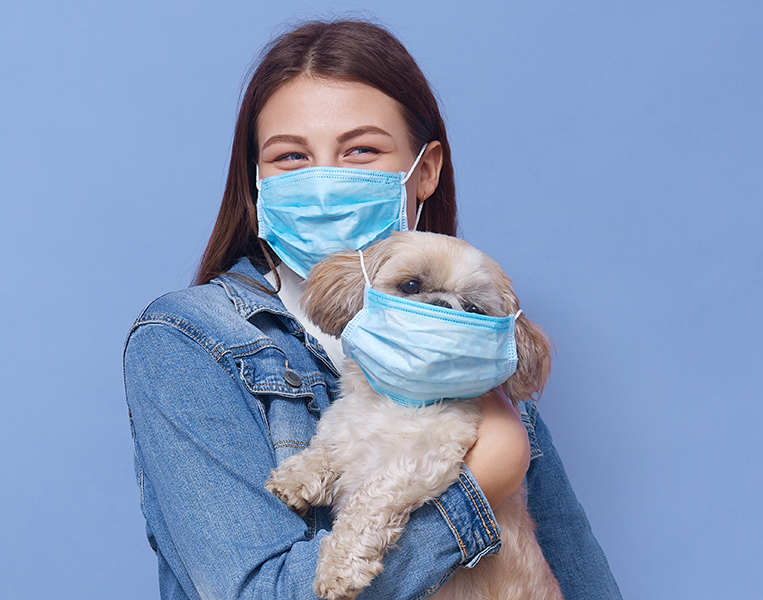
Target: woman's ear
(429,170)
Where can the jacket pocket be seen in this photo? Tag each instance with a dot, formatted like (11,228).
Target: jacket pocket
(285,396)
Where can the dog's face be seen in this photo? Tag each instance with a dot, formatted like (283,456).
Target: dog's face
(431,268)
(443,271)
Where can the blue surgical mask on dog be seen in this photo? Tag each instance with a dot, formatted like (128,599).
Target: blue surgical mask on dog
(310,213)
(417,354)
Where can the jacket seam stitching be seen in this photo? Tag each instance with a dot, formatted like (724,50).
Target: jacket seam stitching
(290,444)
(461,544)
(431,590)
(482,512)
(217,351)
(251,349)
(530,420)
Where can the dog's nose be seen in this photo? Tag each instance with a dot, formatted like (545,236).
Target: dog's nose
(440,302)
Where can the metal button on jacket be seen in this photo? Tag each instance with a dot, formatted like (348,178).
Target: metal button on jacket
(292,378)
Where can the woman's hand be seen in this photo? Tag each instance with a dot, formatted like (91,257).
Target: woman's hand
(501,454)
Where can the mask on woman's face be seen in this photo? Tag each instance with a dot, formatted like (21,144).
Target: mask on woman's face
(310,213)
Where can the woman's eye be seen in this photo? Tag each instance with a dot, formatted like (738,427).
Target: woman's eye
(363,150)
(290,156)
(410,287)
(361,155)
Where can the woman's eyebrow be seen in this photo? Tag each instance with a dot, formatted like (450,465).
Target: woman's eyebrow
(353,133)
(291,139)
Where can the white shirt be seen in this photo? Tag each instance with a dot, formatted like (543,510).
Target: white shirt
(292,286)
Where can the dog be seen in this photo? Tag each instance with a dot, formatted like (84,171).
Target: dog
(360,440)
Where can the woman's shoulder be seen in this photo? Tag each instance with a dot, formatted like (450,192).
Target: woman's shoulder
(198,312)
(214,314)
(192,304)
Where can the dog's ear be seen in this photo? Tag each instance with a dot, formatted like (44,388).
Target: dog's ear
(334,287)
(533,347)
(334,292)
(534,364)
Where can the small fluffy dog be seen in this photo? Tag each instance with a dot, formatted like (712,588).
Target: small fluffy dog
(375,460)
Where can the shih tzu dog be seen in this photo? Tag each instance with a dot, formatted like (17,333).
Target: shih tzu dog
(376,460)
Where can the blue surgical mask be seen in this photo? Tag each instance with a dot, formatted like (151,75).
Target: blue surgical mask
(307,214)
(417,354)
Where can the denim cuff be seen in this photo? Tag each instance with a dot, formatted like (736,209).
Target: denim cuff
(470,519)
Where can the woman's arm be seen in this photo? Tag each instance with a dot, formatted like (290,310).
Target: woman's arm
(499,461)
(501,455)
(203,453)
(563,531)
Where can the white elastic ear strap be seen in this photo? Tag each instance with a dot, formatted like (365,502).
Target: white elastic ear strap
(519,312)
(257,176)
(418,215)
(415,162)
(363,268)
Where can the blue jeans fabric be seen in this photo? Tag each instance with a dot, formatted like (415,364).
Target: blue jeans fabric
(212,413)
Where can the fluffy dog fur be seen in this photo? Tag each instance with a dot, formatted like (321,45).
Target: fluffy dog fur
(377,461)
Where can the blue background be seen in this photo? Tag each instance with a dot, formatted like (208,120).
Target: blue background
(608,155)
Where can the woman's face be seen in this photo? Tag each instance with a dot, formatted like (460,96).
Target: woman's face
(315,122)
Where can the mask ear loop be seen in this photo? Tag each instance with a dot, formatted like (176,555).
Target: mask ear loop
(257,180)
(363,268)
(418,214)
(415,163)
(408,176)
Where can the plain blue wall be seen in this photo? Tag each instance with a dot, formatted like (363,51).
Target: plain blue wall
(608,155)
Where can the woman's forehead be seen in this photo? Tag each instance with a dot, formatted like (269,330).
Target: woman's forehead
(328,107)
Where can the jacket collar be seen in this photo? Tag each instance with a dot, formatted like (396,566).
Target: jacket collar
(249,301)
(247,298)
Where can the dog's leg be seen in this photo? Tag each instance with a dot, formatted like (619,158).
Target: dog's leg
(374,517)
(305,479)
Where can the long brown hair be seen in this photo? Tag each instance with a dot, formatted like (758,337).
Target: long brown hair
(345,50)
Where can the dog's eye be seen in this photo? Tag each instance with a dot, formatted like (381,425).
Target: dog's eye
(411,287)
(473,308)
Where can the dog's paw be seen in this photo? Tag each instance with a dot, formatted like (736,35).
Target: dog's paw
(342,574)
(292,493)
(304,480)
(334,589)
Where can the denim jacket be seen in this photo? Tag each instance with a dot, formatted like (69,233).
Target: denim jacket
(222,384)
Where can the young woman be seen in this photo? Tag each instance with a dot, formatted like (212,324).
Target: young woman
(227,378)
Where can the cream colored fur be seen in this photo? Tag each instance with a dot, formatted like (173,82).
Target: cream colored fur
(376,461)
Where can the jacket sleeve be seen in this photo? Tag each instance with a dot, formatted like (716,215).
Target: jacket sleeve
(203,453)
(562,528)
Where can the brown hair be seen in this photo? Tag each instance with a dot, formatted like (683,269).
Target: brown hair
(345,50)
